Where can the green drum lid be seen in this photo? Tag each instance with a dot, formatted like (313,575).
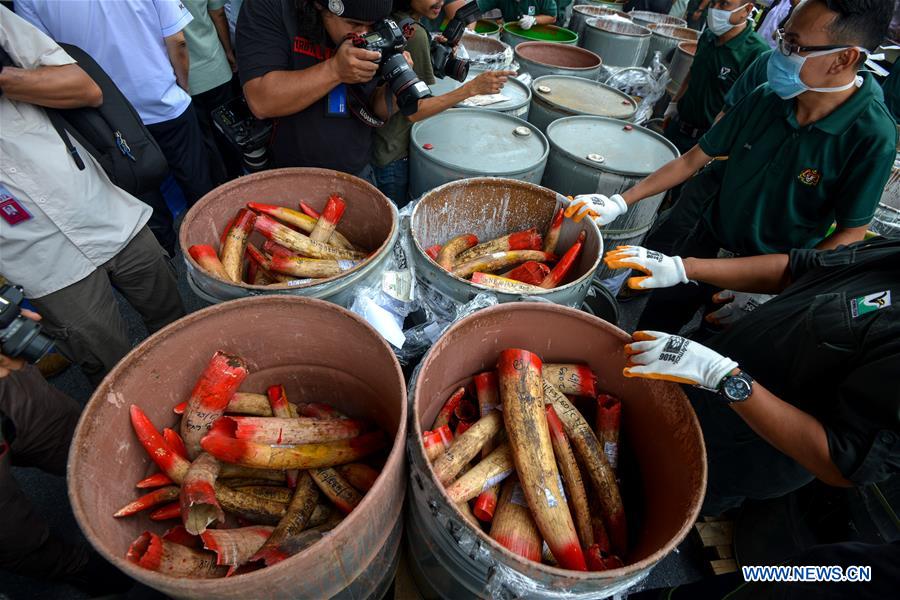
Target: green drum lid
(579,95)
(543,33)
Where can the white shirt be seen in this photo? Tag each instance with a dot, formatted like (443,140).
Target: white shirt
(770,23)
(79,219)
(126,38)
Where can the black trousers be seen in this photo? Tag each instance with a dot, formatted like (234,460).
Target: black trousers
(226,162)
(181,140)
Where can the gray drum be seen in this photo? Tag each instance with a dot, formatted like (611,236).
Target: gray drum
(558,96)
(490,207)
(486,53)
(546,58)
(681,62)
(665,38)
(607,156)
(582,12)
(518,94)
(618,43)
(469,142)
(647,18)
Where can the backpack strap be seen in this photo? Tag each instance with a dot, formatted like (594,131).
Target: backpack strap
(60,127)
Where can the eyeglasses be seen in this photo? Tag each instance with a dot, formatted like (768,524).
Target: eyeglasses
(787,48)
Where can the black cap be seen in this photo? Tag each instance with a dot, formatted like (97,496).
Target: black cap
(360,10)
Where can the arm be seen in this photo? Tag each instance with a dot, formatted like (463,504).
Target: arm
(842,237)
(545,19)
(65,86)
(176,47)
(673,173)
(796,433)
(488,82)
(766,274)
(221,23)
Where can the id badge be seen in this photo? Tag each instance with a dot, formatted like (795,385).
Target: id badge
(10,210)
(337,102)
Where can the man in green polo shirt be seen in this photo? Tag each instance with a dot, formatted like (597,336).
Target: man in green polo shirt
(724,51)
(814,146)
(527,12)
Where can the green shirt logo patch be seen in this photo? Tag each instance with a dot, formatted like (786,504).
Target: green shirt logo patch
(866,304)
(809,177)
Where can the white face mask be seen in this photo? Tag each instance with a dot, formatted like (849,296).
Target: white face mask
(719,21)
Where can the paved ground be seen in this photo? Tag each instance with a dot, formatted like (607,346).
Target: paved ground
(49,493)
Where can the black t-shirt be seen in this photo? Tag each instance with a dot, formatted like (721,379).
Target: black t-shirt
(830,345)
(268,40)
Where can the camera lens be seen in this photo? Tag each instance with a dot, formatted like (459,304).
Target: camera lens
(405,84)
(256,160)
(23,339)
(457,68)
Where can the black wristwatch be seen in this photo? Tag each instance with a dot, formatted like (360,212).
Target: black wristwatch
(736,388)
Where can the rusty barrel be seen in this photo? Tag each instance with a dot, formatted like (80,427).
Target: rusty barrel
(490,207)
(370,221)
(663,488)
(546,58)
(299,342)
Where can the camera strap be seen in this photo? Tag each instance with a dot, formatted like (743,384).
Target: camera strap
(359,106)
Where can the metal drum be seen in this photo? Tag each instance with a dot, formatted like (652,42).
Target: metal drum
(490,207)
(647,18)
(559,96)
(370,221)
(545,58)
(665,38)
(486,53)
(514,35)
(618,43)
(582,12)
(611,4)
(518,93)
(887,214)
(607,156)
(469,142)
(681,62)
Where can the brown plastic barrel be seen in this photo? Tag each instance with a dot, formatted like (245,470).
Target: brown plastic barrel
(370,221)
(661,437)
(320,352)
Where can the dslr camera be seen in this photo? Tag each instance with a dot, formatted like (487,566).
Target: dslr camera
(443,61)
(249,134)
(389,38)
(19,335)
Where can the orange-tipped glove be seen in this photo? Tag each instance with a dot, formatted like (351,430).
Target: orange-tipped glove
(604,210)
(655,355)
(661,271)
(736,306)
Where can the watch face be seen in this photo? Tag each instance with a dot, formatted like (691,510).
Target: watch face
(736,388)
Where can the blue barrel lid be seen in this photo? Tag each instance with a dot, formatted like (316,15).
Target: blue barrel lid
(480,141)
(611,145)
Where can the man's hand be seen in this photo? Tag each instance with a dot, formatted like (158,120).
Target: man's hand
(7,364)
(527,22)
(354,65)
(737,305)
(655,355)
(671,111)
(604,210)
(489,82)
(661,271)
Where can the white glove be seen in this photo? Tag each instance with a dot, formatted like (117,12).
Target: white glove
(603,209)
(671,110)
(527,22)
(655,355)
(737,305)
(661,271)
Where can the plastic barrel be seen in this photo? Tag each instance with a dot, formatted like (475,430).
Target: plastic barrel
(370,221)
(546,58)
(618,43)
(665,38)
(299,342)
(582,12)
(647,18)
(558,96)
(450,559)
(471,142)
(514,35)
(489,207)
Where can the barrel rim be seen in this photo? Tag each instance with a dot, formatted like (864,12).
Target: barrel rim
(629,29)
(516,82)
(659,29)
(507,27)
(605,168)
(282,288)
(415,145)
(483,288)
(210,587)
(564,108)
(579,49)
(580,9)
(522,563)
(655,17)
(682,46)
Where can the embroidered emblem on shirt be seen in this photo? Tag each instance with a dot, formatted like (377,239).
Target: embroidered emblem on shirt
(723,74)
(866,304)
(809,177)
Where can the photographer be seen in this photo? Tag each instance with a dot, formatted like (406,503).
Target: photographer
(36,426)
(390,156)
(296,66)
